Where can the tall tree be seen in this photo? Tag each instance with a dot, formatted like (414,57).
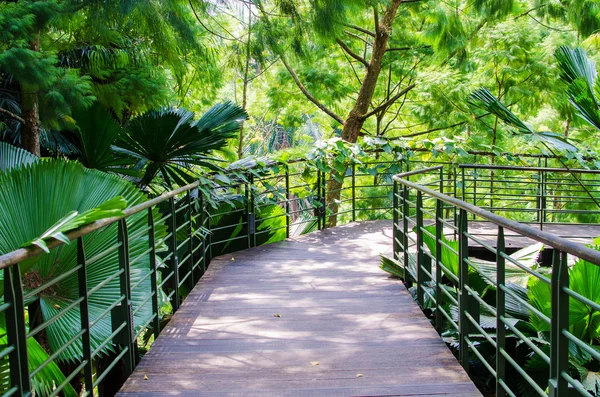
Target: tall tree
(55,52)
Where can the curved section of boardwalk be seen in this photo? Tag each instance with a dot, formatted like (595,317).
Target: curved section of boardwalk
(313,316)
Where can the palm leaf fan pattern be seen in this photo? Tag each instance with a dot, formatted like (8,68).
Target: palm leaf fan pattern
(169,144)
(579,73)
(34,198)
(12,156)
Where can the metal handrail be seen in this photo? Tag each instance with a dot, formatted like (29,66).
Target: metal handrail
(21,254)
(426,259)
(541,236)
(521,168)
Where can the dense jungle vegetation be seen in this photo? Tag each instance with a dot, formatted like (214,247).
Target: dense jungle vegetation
(104,104)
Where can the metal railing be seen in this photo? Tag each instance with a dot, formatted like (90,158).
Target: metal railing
(159,250)
(513,320)
(534,195)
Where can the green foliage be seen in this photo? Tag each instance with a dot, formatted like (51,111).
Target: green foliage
(580,75)
(98,131)
(44,382)
(484,99)
(170,144)
(33,206)
(12,157)
(392,267)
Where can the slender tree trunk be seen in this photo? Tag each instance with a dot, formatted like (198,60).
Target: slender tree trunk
(245,87)
(31,127)
(356,118)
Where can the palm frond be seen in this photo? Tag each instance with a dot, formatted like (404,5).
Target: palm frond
(34,198)
(484,99)
(12,157)
(98,131)
(579,73)
(167,143)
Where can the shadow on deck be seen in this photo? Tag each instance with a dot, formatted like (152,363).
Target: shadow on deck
(312,316)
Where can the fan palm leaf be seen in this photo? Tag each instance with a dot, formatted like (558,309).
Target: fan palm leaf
(169,144)
(579,73)
(34,198)
(98,131)
(12,156)
(45,380)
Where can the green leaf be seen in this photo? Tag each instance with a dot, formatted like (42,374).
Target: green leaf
(12,157)
(35,200)
(168,143)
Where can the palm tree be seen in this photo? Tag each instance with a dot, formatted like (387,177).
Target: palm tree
(169,144)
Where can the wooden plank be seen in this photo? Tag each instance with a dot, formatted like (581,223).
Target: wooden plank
(314,316)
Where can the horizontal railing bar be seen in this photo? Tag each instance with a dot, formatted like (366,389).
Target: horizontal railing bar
(103,283)
(144,326)
(140,281)
(521,168)
(45,324)
(102,254)
(480,357)
(77,370)
(51,282)
(109,339)
(107,310)
(576,385)
(522,372)
(541,315)
(564,245)
(111,366)
(57,353)
(21,254)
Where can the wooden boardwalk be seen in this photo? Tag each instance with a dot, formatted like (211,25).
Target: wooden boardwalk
(307,317)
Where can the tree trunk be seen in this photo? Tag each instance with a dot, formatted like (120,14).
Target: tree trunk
(31,127)
(356,118)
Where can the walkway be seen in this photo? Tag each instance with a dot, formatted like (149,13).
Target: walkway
(308,317)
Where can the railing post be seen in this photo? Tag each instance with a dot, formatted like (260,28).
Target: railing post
(543,201)
(201,223)
(500,311)
(84,315)
(124,311)
(153,269)
(559,343)
(474,189)
(463,295)
(209,236)
(190,261)
(174,260)
(324,200)
(354,192)
(250,211)
(439,232)
(318,200)
(395,228)
(16,331)
(287,201)
(422,261)
(405,216)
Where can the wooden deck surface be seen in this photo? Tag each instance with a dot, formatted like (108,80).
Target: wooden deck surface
(313,316)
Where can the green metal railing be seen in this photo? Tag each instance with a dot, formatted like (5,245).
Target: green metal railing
(484,306)
(534,195)
(162,247)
